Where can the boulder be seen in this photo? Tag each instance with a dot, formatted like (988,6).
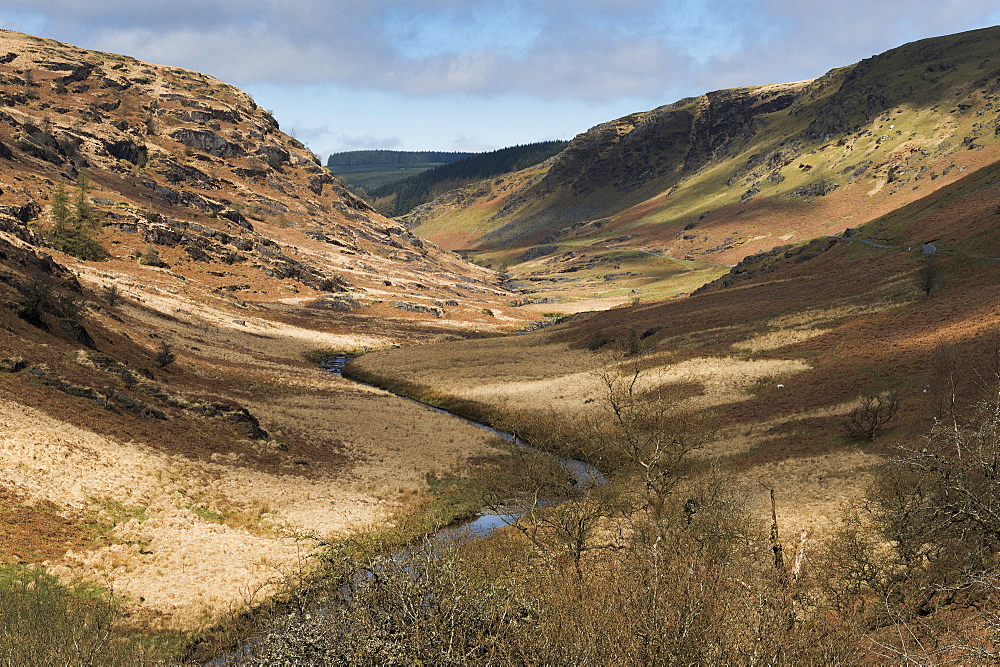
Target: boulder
(342,302)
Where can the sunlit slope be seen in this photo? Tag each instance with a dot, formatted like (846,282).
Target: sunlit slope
(779,350)
(728,174)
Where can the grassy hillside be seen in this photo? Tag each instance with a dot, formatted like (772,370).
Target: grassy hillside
(371,170)
(719,177)
(709,409)
(168,438)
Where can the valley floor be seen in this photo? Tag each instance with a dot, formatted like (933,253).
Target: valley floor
(181,506)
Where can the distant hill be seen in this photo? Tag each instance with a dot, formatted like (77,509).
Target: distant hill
(402,196)
(369,170)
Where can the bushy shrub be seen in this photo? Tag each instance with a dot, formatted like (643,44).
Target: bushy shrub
(873,413)
(165,355)
(151,257)
(45,623)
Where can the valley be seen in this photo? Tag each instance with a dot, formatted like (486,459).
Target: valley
(707,181)
(768,315)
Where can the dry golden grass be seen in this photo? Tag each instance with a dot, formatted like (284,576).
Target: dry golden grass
(533,373)
(812,492)
(179,558)
(529,372)
(189,537)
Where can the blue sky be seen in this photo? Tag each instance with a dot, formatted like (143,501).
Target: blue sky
(479,75)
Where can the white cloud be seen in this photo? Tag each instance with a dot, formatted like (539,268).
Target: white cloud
(345,142)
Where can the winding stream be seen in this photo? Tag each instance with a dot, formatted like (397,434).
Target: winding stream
(583,475)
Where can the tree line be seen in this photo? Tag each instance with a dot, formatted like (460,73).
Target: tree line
(403,196)
(387,158)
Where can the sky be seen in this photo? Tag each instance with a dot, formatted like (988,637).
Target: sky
(474,75)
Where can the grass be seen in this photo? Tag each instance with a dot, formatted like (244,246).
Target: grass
(470,409)
(207,514)
(449,499)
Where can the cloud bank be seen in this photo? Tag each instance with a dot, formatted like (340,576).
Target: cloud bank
(579,49)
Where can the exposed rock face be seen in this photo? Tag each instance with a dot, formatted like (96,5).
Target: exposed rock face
(343,302)
(209,142)
(634,151)
(412,307)
(535,253)
(619,163)
(868,137)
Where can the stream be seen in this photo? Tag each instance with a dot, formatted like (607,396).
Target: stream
(582,475)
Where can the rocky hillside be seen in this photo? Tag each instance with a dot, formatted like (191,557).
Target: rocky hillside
(731,173)
(190,176)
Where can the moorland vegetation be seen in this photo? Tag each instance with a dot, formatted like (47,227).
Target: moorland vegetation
(800,456)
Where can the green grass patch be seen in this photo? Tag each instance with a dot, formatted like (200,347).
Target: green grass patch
(106,513)
(207,514)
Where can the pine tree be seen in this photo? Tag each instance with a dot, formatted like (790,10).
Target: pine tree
(62,225)
(74,231)
(84,211)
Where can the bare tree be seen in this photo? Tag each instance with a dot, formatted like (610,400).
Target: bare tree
(872,415)
(647,432)
(925,540)
(928,276)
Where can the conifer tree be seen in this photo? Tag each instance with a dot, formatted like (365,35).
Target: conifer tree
(62,226)
(74,231)
(84,211)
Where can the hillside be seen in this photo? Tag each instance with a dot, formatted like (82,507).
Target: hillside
(706,181)
(166,430)
(192,168)
(371,170)
(168,435)
(398,198)
(780,348)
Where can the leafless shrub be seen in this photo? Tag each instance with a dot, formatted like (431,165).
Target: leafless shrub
(924,543)
(928,275)
(872,415)
(644,432)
